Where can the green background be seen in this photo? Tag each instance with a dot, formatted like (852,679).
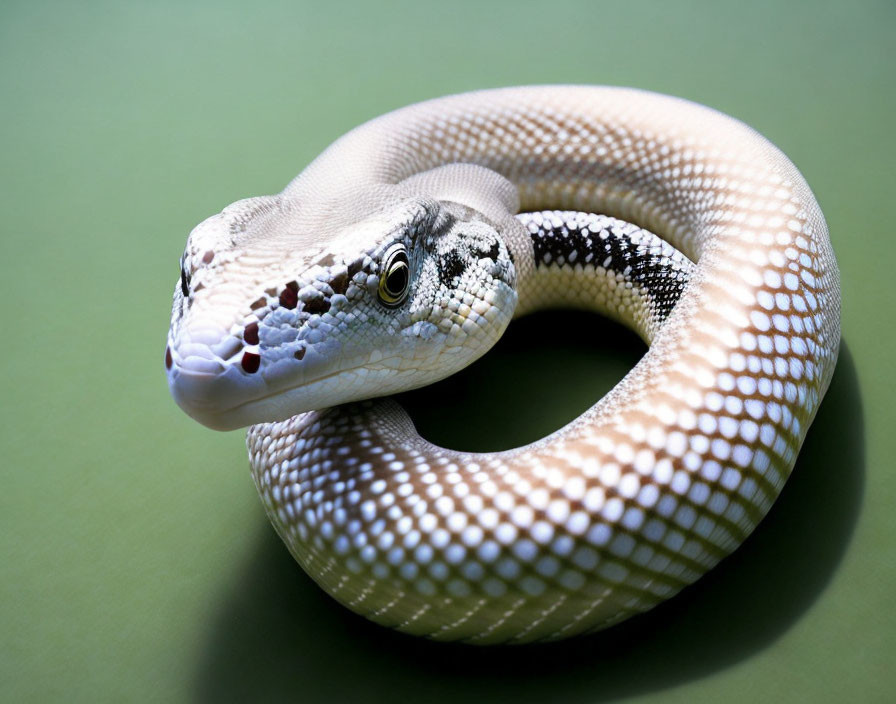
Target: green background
(137,564)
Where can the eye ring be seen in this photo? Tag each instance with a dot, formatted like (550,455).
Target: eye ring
(395,279)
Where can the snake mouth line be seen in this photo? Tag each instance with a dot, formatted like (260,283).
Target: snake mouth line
(203,395)
(289,389)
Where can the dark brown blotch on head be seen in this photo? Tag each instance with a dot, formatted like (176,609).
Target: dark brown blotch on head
(168,360)
(251,362)
(260,303)
(184,282)
(289,296)
(207,257)
(250,334)
(299,353)
(339,283)
(355,267)
(316,306)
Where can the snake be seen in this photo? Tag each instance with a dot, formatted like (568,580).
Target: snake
(401,254)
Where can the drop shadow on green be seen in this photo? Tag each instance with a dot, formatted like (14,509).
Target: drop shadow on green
(278,637)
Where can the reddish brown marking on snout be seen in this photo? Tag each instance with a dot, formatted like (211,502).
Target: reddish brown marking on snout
(168,360)
(207,257)
(250,334)
(251,362)
(289,296)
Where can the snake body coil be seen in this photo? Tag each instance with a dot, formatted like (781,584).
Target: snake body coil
(397,257)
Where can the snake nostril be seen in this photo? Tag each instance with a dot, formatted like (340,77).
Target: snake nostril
(168,360)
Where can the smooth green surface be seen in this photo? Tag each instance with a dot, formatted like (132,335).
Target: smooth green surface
(137,563)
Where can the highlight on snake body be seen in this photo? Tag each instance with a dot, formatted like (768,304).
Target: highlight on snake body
(401,254)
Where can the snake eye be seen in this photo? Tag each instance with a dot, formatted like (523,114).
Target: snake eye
(395,279)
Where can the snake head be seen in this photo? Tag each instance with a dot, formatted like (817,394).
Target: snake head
(267,324)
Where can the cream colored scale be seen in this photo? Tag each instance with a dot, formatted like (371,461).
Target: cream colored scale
(287,306)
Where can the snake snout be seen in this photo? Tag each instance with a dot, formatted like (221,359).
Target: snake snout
(203,382)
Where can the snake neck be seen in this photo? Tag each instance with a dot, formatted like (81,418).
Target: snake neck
(601,264)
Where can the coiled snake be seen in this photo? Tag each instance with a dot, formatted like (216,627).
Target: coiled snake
(397,258)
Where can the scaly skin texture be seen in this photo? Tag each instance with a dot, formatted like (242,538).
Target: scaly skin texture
(620,509)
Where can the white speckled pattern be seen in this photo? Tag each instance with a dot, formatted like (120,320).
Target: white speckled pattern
(653,485)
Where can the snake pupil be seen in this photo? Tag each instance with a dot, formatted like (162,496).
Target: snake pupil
(396,277)
(397,280)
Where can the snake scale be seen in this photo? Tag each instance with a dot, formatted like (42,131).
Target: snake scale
(401,254)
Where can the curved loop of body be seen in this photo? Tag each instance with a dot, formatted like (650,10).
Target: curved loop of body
(644,492)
